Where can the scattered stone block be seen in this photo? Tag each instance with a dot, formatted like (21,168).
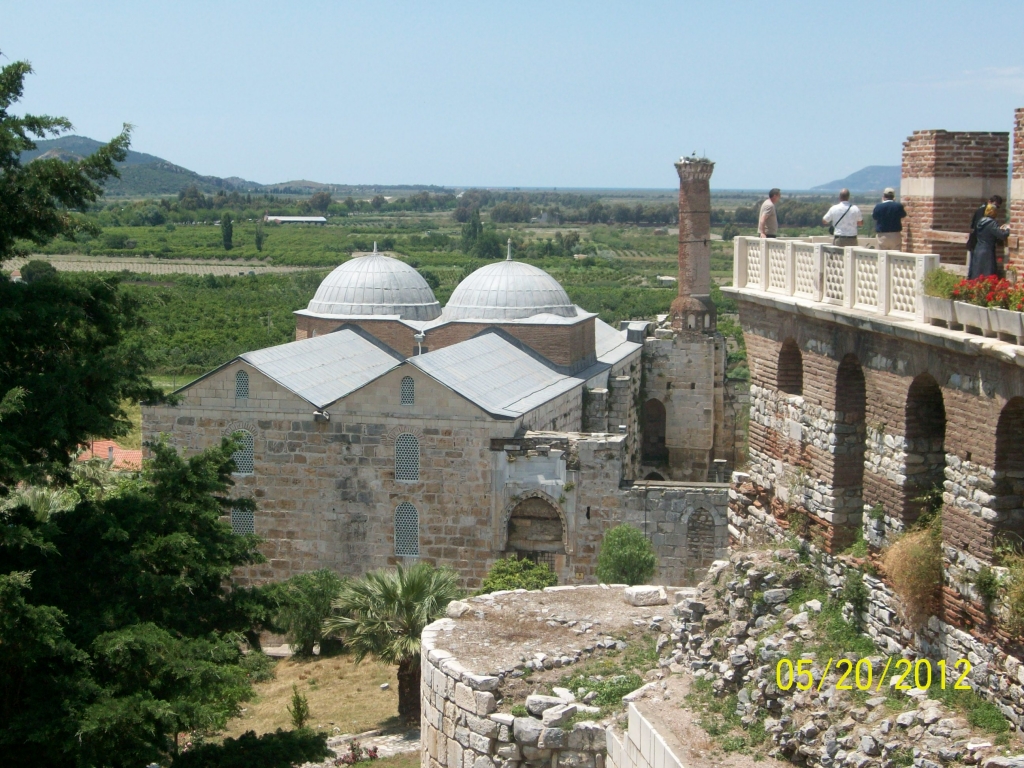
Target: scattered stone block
(457,609)
(536,703)
(556,717)
(645,595)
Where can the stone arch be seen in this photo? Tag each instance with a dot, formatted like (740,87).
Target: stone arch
(924,443)
(1009,469)
(655,427)
(541,527)
(851,434)
(654,476)
(789,373)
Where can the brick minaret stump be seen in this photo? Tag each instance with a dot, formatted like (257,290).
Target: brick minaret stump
(1015,245)
(692,309)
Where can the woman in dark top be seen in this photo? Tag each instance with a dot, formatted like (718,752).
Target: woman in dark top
(983,259)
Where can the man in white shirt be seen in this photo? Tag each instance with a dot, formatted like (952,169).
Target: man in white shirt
(845,219)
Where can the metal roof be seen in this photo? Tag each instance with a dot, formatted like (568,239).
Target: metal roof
(496,373)
(324,369)
(508,290)
(611,345)
(375,285)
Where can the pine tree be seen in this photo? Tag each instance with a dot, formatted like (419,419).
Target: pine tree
(226,230)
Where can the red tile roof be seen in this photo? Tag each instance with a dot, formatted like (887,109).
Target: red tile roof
(125,460)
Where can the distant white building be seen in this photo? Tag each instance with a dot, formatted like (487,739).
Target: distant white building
(296,219)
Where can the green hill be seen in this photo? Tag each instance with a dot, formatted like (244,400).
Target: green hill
(142,175)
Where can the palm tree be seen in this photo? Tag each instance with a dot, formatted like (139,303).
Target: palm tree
(383,615)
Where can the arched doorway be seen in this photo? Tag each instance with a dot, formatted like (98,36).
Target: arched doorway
(1009,467)
(654,476)
(535,531)
(848,469)
(654,448)
(700,539)
(789,374)
(925,438)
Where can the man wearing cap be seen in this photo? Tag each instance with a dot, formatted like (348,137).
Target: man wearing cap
(888,216)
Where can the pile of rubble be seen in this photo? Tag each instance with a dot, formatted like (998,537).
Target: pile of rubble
(733,629)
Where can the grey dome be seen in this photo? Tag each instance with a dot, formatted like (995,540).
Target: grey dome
(508,290)
(375,285)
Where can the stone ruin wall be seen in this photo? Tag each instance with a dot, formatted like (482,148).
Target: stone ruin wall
(997,673)
(460,726)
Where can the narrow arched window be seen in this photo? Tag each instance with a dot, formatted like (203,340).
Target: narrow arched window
(408,391)
(407,457)
(790,371)
(243,522)
(407,530)
(241,384)
(245,456)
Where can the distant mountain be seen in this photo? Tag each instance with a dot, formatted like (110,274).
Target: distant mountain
(874,178)
(145,175)
(142,175)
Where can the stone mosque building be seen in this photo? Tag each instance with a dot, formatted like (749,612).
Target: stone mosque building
(511,421)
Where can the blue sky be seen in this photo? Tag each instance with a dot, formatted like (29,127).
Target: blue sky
(539,94)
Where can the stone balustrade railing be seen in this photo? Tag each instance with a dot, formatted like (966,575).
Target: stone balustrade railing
(886,283)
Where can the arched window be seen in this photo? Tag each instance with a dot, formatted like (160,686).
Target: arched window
(407,457)
(408,391)
(1009,468)
(407,530)
(241,385)
(245,456)
(790,372)
(243,522)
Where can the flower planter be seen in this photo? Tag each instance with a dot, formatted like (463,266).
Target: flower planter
(974,318)
(1007,321)
(939,310)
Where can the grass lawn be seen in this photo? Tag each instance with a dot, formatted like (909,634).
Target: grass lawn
(404,760)
(343,698)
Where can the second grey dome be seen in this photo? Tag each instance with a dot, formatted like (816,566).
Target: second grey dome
(508,290)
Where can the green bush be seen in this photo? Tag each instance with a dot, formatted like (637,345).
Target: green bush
(305,601)
(626,557)
(940,283)
(513,573)
(271,750)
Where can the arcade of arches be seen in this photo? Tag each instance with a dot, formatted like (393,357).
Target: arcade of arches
(861,431)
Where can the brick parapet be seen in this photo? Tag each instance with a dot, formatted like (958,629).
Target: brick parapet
(945,176)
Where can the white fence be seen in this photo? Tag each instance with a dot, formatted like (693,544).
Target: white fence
(886,283)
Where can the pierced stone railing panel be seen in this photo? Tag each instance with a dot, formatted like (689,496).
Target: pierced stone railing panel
(808,277)
(835,274)
(777,271)
(887,283)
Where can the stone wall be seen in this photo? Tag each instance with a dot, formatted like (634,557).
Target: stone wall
(643,745)
(946,175)
(961,630)
(801,444)
(686,372)
(460,728)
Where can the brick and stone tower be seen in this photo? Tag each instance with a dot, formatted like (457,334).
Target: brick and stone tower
(946,176)
(1015,244)
(692,309)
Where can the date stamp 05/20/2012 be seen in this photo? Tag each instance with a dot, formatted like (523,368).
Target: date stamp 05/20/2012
(903,675)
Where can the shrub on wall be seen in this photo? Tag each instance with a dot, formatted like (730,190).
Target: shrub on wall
(626,557)
(513,573)
(914,566)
